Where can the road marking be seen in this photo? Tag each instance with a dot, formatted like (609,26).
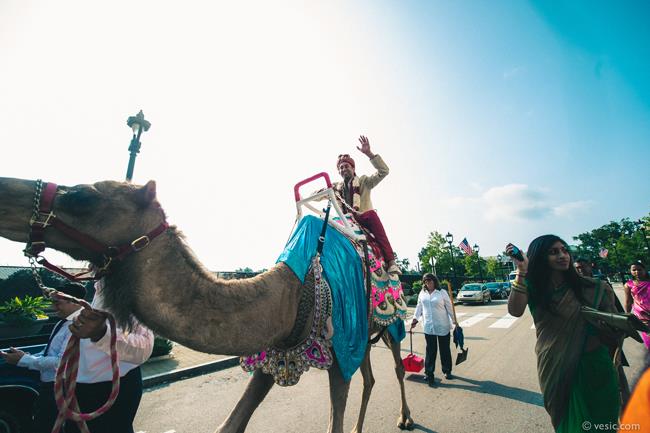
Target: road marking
(474,320)
(504,322)
(409,319)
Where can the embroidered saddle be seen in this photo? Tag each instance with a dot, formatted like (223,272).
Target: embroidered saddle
(339,291)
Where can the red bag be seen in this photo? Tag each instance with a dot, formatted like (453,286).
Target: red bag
(413,363)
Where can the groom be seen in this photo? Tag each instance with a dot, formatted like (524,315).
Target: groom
(355,192)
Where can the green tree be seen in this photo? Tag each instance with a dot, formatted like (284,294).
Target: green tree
(403,264)
(491,268)
(497,269)
(438,248)
(245,270)
(623,240)
(471,265)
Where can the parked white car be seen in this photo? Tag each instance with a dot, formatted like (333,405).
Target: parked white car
(473,293)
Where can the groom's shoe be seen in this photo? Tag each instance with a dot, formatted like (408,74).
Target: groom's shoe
(393,268)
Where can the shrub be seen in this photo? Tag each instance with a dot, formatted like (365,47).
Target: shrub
(412,301)
(161,346)
(23,310)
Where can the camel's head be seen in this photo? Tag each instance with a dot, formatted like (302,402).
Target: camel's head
(113,213)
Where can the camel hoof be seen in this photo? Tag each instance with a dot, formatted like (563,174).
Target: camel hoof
(405,423)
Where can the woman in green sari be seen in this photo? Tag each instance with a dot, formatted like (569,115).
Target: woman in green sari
(574,364)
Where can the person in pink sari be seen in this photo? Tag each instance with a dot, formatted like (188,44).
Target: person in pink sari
(637,296)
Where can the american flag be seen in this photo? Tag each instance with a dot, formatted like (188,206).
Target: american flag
(464,245)
(603,253)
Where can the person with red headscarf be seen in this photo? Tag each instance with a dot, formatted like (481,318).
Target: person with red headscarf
(354,192)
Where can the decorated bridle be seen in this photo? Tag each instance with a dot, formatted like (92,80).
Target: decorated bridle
(43,216)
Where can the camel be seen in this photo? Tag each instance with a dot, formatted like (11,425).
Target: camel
(167,274)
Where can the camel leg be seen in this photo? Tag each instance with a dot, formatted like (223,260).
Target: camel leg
(368,383)
(257,388)
(404,421)
(339,389)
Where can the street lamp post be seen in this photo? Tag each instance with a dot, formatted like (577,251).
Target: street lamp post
(478,259)
(500,261)
(641,226)
(618,263)
(450,239)
(137,123)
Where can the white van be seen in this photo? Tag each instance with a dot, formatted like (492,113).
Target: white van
(512,275)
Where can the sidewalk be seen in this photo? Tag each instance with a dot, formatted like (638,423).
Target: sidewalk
(183,363)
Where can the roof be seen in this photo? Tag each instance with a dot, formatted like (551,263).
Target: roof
(7,271)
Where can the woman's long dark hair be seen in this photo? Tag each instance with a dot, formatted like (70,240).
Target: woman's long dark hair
(539,273)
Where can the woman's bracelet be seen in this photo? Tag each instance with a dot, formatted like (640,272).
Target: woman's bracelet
(518,287)
(522,285)
(521,274)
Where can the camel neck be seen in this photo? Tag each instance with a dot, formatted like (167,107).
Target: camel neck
(177,297)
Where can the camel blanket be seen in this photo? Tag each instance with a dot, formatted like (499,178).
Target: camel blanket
(342,268)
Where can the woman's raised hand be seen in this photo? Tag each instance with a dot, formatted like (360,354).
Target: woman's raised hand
(522,265)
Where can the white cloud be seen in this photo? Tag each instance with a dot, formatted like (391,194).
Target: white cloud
(518,202)
(515,202)
(513,72)
(572,208)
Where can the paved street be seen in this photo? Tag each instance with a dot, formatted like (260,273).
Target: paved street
(496,390)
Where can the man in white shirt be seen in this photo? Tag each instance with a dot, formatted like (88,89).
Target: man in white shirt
(47,361)
(434,307)
(134,347)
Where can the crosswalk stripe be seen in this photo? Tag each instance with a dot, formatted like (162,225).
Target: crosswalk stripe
(410,318)
(474,320)
(504,322)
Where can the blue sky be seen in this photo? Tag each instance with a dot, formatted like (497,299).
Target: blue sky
(500,121)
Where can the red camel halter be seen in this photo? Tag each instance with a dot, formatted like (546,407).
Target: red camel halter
(44,217)
(66,377)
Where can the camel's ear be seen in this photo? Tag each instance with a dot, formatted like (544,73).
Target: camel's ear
(147,194)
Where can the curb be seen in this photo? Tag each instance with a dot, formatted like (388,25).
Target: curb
(189,372)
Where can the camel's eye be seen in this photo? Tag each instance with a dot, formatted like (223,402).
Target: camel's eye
(79,199)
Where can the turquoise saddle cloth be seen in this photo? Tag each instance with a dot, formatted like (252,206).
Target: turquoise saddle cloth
(342,270)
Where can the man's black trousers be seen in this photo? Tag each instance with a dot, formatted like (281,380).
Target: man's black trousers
(119,418)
